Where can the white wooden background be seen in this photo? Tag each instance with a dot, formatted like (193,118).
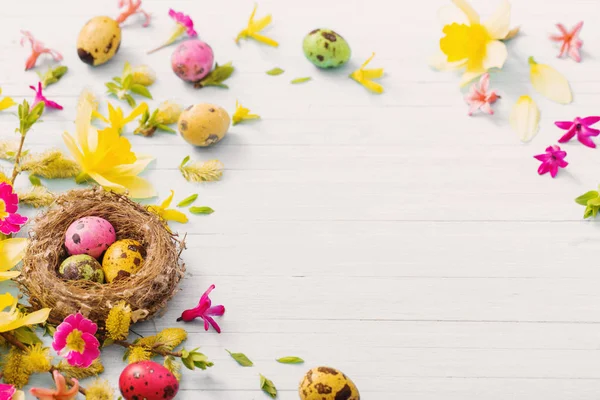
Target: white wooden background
(390,236)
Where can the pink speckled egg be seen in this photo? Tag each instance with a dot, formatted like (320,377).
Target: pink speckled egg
(192,60)
(89,235)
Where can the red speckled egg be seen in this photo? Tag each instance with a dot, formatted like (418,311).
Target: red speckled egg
(90,235)
(192,60)
(149,381)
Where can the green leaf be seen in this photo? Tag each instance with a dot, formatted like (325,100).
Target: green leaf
(201,210)
(184,161)
(267,386)
(141,90)
(241,359)
(301,80)
(594,202)
(127,82)
(290,360)
(117,79)
(166,128)
(130,100)
(26,335)
(49,330)
(35,181)
(217,76)
(112,86)
(107,342)
(126,73)
(187,201)
(194,359)
(275,71)
(60,71)
(583,199)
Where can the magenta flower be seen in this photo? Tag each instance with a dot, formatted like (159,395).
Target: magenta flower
(39,96)
(580,127)
(7,391)
(479,96)
(37,49)
(74,339)
(205,311)
(570,41)
(184,25)
(10,221)
(552,160)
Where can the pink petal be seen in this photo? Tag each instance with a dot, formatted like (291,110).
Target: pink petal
(484,83)
(52,104)
(88,326)
(577,28)
(586,131)
(60,337)
(564,124)
(569,135)
(562,29)
(216,310)
(16,219)
(557,38)
(205,323)
(553,170)
(543,157)
(589,120)
(8,228)
(585,140)
(213,323)
(574,54)
(486,108)
(560,154)
(562,163)
(544,167)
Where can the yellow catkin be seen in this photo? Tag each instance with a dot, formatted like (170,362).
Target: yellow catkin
(100,389)
(37,197)
(173,366)
(8,149)
(171,337)
(37,359)
(118,321)
(139,353)
(15,371)
(80,373)
(52,165)
(208,171)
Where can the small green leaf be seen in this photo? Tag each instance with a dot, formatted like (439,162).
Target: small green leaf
(267,386)
(290,360)
(301,80)
(217,76)
(141,90)
(241,359)
(166,128)
(49,330)
(111,86)
(107,342)
(35,181)
(594,202)
(201,210)
(187,201)
(130,100)
(275,71)
(26,335)
(127,82)
(184,161)
(583,199)
(117,79)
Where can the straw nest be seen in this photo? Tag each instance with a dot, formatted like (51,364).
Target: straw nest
(147,291)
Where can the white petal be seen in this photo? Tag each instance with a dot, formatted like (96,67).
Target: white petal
(550,83)
(498,25)
(495,55)
(468,10)
(450,14)
(440,62)
(525,118)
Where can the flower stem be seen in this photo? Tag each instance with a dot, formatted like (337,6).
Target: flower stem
(82,177)
(17,161)
(178,32)
(13,340)
(154,349)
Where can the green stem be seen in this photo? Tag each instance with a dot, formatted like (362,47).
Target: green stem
(178,32)
(17,161)
(82,177)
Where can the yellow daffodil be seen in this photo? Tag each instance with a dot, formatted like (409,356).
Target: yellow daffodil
(106,157)
(115,116)
(251,31)
(168,214)
(13,319)
(11,253)
(549,82)
(6,102)
(365,76)
(470,44)
(242,114)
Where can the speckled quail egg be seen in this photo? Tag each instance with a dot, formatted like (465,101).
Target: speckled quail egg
(81,268)
(203,124)
(123,259)
(324,383)
(89,235)
(99,40)
(326,48)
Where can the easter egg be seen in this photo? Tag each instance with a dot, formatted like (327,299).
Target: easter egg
(122,259)
(203,124)
(98,40)
(147,380)
(81,268)
(192,60)
(326,48)
(324,383)
(89,235)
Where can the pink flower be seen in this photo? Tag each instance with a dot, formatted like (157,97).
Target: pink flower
(479,96)
(580,127)
(10,221)
(552,160)
(185,21)
(570,41)
(74,339)
(37,49)
(7,391)
(39,96)
(62,392)
(205,311)
(129,8)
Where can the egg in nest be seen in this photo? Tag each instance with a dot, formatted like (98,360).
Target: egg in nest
(123,259)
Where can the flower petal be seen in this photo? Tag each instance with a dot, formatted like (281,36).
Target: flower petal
(495,55)
(498,25)
(564,124)
(175,215)
(440,62)
(525,118)
(469,76)
(589,120)
(550,83)
(449,14)
(4,276)
(6,102)
(569,135)
(586,141)
(466,8)
(11,252)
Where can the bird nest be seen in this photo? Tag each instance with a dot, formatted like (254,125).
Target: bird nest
(147,291)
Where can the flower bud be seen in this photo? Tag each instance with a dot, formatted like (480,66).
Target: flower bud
(168,112)
(143,75)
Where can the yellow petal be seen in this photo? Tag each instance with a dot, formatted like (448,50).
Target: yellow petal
(449,14)
(83,125)
(134,168)
(440,62)
(72,146)
(264,39)
(4,276)
(261,24)
(105,183)
(174,215)
(6,300)
(550,83)
(19,395)
(372,86)
(525,118)
(466,8)
(498,24)
(11,252)
(137,188)
(373,73)
(36,317)
(168,200)
(6,102)
(139,110)
(495,55)
(96,114)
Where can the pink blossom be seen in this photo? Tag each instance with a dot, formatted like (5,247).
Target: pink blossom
(10,221)
(552,160)
(480,97)
(185,21)
(37,48)
(570,41)
(129,8)
(39,96)
(580,127)
(74,339)
(62,392)
(7,391)
(205,311)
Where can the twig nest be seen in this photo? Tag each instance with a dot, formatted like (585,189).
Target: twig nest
(146,290)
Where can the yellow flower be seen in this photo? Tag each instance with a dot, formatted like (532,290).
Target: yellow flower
(99,390)
(254,27)
(365,76)
(549,82)
(37,359)
(242,114)
(11,253)
(116,119)
(470,44)
(118,321)
(13,319)
(15,372)
(6,102)
(106,157)
(168,214)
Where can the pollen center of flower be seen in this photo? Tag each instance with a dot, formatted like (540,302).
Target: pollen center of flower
(578,127)
(3,213)
(75,341)
(465,42)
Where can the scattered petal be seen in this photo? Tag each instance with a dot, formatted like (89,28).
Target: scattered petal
(365,76)
(253,29)
(549,82)
(242,114)
(552,160)
(275,71)
(525,118)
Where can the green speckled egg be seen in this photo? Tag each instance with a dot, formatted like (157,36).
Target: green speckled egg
(326,48)
(81,268)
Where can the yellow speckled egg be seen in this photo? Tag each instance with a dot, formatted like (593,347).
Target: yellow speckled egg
(324,383)
(99,40)
(122,259)
(203,124)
